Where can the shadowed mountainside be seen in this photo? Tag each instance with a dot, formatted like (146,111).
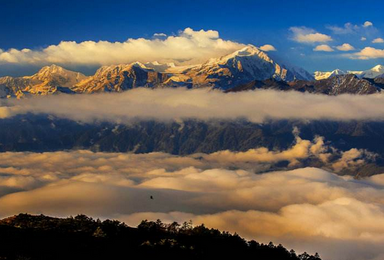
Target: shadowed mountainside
(44,133)
(337,85)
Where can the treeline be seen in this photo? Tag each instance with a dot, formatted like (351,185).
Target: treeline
(31,237)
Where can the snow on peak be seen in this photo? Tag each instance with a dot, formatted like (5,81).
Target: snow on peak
(374,72)
(52,69)
(159,67)
(138,64)
(55,73)
(378,68)
(319,75)
(250,63)
(116,69)
(248,51)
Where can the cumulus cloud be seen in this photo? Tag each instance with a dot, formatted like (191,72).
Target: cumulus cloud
(189,46)
(308,35)
(363,38)
(307,209)
(368,24)
(301,149)
(351,158)
(323,47)
(378,40)
(176,104)
(368,53)
(345,47)
(267,47)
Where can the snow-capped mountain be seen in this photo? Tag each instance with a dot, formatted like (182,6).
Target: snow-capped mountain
(336,85)
(377,71)
(49,80)
(57,75)
(319,75)
(242,66)
(245,65)
(117,78)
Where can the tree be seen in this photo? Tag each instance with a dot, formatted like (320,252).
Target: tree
(99,233)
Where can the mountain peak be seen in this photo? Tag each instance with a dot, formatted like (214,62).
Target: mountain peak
(328,74)
(55,75)
(138,64)
(378,68)
(161,67)
(51,69)
(247,64)
(247,51)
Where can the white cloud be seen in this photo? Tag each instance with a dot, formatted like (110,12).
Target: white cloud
(301,149)
(378,40)
(345,47)
(368,24)
(307,35)
(369,53)
(267,47)
(174,104)
(159,35)
(363,39)
(323,47)
(307,209)
(188,46)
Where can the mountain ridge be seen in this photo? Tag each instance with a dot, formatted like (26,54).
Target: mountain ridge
(48,80)
(375,72)
(245,69)
(242,66)
(336,85)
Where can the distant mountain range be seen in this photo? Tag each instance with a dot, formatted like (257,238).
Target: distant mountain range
(42,133)
(246,69)
(375,72)
(336,85)
(242,66)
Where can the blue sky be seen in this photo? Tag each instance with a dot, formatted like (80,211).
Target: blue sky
(40,23)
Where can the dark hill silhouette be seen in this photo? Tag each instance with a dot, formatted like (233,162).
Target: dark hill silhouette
(40,237)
